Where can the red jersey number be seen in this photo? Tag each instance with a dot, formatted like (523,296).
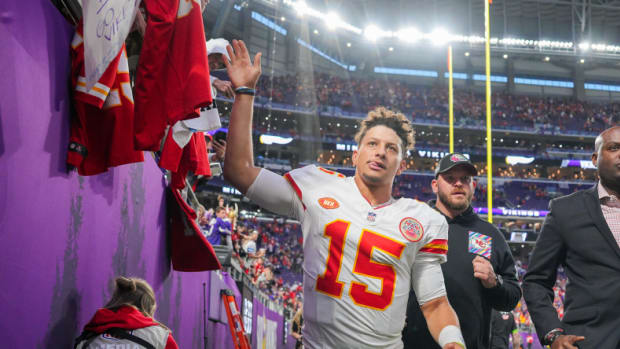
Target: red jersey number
(328,283)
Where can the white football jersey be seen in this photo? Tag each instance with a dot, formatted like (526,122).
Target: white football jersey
(358,260)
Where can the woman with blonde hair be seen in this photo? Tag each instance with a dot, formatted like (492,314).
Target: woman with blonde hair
(127,318)
(298,322)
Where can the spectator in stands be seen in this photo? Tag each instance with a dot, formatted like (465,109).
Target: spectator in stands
(216,48)
(248,242)
(127,320)
(298,322)
(359,95)
(220,228)
(582,233)
(502,328)
(480,272)
(216,149)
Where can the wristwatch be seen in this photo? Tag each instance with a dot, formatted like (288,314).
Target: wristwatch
(498,281)
(552,336)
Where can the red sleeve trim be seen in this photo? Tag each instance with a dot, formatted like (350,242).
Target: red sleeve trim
(436,246)
(434,250)
(291,181)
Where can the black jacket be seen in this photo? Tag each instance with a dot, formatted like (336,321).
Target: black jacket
(471,301)
(576,235)
(502,326)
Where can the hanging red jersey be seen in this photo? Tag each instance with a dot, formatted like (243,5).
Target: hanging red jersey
(191,251)
(172,80)
(193,158)
(102,125)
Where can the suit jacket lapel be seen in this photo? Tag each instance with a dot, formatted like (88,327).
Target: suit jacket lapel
(594,207)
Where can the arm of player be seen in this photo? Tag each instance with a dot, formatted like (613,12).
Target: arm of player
(427,282)
(443,324)
(429,287)
(239,169)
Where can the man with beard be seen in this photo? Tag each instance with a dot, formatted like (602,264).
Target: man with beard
(480,274)
(581,233)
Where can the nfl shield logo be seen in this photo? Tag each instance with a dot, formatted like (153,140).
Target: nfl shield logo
(371,216)
(411,229)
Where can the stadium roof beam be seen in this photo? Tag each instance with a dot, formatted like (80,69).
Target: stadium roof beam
(601,4)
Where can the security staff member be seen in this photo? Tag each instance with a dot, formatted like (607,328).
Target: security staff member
(480,274)
(502,327)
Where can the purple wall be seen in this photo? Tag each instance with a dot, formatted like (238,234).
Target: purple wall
(261,312)
(64,237)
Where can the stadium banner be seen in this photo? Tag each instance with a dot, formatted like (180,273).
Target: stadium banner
(512,212)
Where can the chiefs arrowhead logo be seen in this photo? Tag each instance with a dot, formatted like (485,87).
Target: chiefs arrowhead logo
(411,229)
(328,203)
(457,158)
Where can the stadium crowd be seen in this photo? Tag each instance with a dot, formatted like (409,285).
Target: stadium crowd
(430,104)
(268,251)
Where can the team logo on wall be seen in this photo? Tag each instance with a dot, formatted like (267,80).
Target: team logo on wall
(411,229)
(328,203)
(457,158)
(480,244)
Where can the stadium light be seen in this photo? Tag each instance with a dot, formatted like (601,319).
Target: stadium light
(408,35)
(332,20)
(439,37)
(301,7)
(372,33)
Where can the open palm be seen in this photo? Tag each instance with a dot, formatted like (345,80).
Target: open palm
(241,70)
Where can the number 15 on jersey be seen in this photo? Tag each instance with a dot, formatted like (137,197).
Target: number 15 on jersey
(328,283)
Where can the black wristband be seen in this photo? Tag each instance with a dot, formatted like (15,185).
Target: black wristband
(245,91)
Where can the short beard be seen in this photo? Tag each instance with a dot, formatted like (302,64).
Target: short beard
(445,200)
(611,183)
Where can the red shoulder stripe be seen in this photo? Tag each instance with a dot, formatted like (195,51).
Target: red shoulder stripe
(291,181)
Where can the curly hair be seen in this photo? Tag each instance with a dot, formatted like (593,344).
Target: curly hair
(394,120)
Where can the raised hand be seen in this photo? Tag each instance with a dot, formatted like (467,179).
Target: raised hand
(241,70)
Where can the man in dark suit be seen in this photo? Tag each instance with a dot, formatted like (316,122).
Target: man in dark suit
(582,233)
